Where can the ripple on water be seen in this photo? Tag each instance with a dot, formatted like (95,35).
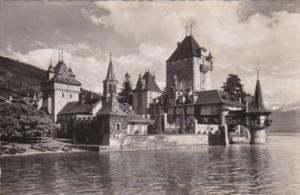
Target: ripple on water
(244,169)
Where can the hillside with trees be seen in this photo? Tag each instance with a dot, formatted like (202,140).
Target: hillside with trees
(18,79)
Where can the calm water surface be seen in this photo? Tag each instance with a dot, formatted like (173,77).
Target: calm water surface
(269,169)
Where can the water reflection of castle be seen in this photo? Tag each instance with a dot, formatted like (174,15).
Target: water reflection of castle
(187,106)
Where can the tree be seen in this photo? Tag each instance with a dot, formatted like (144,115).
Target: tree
(125,96)
(234,88)
(23,120)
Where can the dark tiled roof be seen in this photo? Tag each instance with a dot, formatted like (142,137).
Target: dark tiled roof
(150,84)
(187,48)
(112,107)
(208,97)
(132,117)
(138,119)
(64,75)
(214,97)
(76,108)
(257,105)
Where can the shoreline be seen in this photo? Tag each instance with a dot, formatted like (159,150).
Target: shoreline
(47,142)
(39,152)
(105,149)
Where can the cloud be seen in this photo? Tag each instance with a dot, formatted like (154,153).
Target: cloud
(267,8)
(238,47)
(242,36)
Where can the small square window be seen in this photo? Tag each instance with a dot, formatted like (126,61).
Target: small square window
(70,95)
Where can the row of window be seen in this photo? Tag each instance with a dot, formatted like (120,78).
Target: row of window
(63,95)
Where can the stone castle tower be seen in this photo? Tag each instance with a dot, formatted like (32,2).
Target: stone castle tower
(60,88)
(110,82)
(191,64)
(146,90)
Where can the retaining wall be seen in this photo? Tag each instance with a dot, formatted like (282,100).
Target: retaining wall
(148,142)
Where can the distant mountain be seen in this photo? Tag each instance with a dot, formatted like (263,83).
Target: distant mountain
(286,118)
(18,78)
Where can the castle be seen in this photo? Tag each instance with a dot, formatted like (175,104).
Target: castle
(187,106)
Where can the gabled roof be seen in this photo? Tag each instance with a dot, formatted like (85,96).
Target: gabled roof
(150,84)
(64,75)
(214,97)
(187,48)
(132,117)
(257,105)
(76,108)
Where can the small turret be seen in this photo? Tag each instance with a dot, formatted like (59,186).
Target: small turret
(110,82)
(51,71)
(258,117)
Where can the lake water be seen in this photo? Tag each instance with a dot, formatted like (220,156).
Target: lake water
(273,168)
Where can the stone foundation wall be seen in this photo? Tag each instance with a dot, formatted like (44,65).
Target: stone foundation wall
(162,142)
(258,136)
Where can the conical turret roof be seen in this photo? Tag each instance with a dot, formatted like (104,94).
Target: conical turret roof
(51,68)
(257,105)
(110,72)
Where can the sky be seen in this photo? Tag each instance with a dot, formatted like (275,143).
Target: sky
(242,36)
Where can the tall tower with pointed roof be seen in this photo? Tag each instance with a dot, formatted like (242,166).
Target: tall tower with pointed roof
(192,64)
(110,82)
(60,88)
(258,116)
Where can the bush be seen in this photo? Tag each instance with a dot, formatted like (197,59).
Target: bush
(21,119)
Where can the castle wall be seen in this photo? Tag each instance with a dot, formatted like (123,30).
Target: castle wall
(117,130)
(62,95)
(135,102)
(196,75)
(164,141)
(142,100)
(258,136)
(188,71)
(183,69)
